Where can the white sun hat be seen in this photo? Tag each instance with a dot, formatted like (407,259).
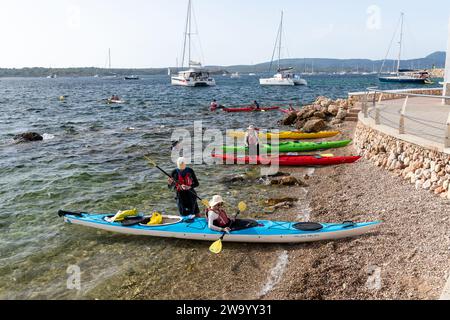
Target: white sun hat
(215,200)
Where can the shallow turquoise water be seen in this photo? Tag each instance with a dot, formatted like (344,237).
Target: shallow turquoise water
(94,163)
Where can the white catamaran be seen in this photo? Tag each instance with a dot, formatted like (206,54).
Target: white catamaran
(284,76)
(196,75)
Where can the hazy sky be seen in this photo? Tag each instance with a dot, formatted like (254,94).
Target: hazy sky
(149,33)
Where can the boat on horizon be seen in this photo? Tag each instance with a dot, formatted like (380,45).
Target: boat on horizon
(133,77)
(284,76)
(195,75)
(111,75)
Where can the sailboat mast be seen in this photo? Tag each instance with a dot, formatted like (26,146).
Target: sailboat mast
(109,58)
(186,34)
(400,43)
(280,35)
(189,34)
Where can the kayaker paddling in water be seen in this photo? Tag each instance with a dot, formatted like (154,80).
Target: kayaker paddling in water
(214,105)
(252,140)
(184,182)
(256,105)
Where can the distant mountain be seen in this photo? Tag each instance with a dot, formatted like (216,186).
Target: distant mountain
(436,59)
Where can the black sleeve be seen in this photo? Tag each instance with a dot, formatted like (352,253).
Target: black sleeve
(174,177)
(195,182)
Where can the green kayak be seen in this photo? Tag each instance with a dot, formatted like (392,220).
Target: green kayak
(295,146)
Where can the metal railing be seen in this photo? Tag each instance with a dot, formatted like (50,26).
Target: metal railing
(376,113)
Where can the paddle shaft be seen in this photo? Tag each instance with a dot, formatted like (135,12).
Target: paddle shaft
(163,171)
(224,234)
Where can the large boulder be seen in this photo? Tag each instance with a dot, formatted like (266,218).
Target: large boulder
(289,119)
(333,109)
(299,124)
(342,113)
(28,137)
(306,113)
(319,114)
(314,125)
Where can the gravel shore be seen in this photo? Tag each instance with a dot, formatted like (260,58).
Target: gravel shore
(407,258)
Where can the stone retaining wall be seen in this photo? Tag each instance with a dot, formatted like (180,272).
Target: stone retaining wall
(426,169)
(359,96)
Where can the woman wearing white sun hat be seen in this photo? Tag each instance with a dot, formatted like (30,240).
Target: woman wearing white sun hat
(218,219)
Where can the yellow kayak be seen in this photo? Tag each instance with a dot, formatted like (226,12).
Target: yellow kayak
(289,134)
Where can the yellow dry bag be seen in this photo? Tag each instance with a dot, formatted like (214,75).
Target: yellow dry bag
(156,219)
(121,215)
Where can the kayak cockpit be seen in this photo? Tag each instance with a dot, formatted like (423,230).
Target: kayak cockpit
(143,221)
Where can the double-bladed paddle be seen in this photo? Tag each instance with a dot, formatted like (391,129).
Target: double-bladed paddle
(216,247)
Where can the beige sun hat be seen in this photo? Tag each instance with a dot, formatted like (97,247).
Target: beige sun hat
(215,201)
(251,127)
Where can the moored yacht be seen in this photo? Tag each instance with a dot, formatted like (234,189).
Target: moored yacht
(404,75)
(196,75)
(284,76)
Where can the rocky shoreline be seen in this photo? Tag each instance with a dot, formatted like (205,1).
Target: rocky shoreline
(322,114)
(406,258)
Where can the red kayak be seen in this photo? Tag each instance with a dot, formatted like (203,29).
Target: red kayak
(250,109)
(287,160)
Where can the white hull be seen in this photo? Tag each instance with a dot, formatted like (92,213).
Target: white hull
(282,82)
(179,81)
(295,238)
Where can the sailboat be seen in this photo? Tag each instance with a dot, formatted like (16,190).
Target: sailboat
(111,76)
(284,76)
(195,75)
(404,75)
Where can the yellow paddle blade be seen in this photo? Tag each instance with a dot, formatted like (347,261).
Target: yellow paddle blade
(327,155)
(242,206)
(205,202)
(150,161)
(216,247)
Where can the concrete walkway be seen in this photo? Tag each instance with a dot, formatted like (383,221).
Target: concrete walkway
(425,117)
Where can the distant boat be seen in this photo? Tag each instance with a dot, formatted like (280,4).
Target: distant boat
(52,76)
(235,75)
(196,75)
(131,78)
(284,76)
(111,76)
(405,75)
(252,74)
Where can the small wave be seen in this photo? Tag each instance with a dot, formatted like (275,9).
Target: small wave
(276,273)
(48,136)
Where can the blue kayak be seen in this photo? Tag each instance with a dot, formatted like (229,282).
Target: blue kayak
(263,231)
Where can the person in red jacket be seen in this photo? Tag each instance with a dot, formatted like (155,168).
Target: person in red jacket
(218,219)
(184,181)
